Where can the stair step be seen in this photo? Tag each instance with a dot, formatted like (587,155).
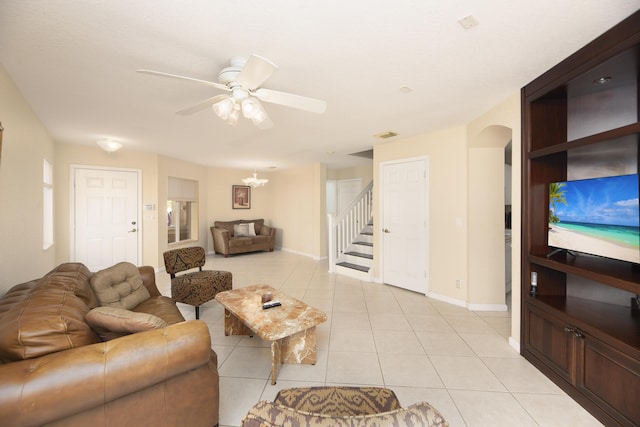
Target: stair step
(363,243)
(359,254)
(353,266)
(367,233)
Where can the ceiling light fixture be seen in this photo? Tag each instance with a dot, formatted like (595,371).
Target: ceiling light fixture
(229,109)
(109,145)
(254,181)
(602,80)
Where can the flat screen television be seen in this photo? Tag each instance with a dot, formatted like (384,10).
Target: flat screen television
(596,216)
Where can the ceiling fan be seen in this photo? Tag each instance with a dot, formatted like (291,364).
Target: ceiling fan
(243,78)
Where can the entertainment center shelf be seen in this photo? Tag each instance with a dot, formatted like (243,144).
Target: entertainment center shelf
(581,131)
(610,136)
(618,274)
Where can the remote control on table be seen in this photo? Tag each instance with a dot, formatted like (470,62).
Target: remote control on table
(270,304)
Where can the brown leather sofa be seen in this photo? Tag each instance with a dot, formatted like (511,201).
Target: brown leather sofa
(55,370)
(229,238)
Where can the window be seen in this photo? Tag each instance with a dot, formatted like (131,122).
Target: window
(47,205)
(182,210)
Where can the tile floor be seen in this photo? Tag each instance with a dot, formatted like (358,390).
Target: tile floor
(423,349)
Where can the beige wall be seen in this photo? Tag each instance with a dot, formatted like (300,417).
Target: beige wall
(298,197)
(25,144)
(447,183)
(486,283)
(68,155)
(486,131)
(364,172)
(466,208)
(218,199)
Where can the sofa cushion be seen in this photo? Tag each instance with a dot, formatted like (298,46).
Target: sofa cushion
(119,286)
(266,414)
(162,307)
(112,323)
(46,316)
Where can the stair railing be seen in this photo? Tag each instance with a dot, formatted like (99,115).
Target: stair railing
(345,227)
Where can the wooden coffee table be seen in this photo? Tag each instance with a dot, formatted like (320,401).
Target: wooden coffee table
(291,327)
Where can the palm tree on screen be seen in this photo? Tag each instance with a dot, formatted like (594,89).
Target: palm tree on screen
(556,195)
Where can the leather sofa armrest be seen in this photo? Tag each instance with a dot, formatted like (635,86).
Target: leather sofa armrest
(149,280)
(58,385)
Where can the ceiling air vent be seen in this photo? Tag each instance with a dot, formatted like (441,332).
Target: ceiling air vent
(385,135)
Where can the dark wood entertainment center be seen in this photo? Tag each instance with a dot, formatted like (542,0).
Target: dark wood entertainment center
(578,327)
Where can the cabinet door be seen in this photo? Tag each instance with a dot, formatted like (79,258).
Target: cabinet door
(609,378)
(551,341)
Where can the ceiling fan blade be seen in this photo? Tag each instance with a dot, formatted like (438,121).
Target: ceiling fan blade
(174,76)
(201,105)
(255,72)
(290,100)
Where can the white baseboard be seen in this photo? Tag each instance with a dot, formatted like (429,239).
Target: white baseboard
(313,257)
(448,300)
(487,307)
(515,344)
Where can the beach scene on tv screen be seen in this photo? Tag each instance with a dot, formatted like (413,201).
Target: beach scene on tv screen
(596,216)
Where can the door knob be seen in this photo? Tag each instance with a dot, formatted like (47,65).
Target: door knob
(386,230)
(133,223)
(133,231)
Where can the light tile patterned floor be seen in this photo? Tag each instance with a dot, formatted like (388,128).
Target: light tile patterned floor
(425,350)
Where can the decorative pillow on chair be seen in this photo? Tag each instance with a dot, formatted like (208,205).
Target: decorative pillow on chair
(119,286)
(112,323)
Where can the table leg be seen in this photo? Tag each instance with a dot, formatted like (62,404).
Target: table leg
(299,347)
(276,360)
(233,325)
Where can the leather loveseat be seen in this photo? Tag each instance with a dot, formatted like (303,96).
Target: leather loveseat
(241,236)
(57,370)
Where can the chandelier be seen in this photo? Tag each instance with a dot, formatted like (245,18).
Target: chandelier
(254,181)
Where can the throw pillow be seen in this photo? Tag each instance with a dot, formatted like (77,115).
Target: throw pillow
(119,286)
(252,229)
(241,230)
(112,323)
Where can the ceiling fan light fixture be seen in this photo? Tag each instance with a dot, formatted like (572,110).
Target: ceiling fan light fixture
(224,108)
(254,181)
(251,108)
(232,119)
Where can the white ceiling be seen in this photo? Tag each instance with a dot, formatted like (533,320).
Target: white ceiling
(75,63)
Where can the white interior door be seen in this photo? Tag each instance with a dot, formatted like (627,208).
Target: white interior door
(106,217)
(404,237)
